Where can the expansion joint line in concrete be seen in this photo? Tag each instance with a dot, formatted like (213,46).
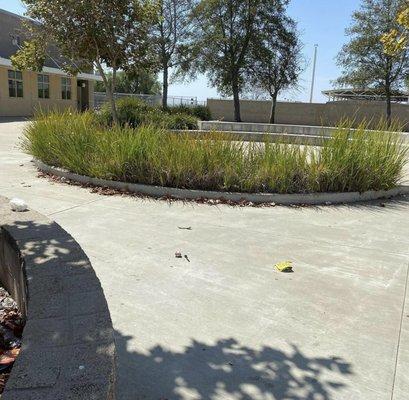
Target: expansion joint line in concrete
(400,333)
(74,207)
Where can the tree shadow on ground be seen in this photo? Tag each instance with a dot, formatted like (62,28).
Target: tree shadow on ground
(226,370)
(373,207)
(68,344)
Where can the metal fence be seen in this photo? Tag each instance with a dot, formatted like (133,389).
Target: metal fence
(100,99)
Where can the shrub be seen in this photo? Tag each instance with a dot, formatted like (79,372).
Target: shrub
(200,112)
(131,111)
(354,160)
(134,112)
(181,122)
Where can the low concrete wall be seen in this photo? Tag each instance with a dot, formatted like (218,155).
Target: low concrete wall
(295,133)
(68,347)
(315,114)
(260,137)
(266,128)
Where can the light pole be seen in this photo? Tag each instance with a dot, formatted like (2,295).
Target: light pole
(313,72)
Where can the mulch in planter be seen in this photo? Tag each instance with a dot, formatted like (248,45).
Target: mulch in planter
(11,330)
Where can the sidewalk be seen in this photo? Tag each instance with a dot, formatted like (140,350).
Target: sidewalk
(226,325)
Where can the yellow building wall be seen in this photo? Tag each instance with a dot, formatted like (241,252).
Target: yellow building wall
(30,103)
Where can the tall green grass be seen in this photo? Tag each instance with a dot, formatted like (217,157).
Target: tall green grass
(353,160)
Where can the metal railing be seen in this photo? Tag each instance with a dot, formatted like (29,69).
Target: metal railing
(100,98)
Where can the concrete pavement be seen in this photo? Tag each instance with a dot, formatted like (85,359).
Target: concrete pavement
(225,325)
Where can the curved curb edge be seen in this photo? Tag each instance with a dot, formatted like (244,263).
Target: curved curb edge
(256,198)
(68,348)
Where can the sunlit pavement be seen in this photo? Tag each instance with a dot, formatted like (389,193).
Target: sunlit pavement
(226,325)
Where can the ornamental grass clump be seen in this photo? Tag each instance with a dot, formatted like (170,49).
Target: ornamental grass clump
(362,159)
(352,160)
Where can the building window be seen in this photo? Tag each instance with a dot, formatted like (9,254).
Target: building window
(66,88)
(15,83)
(43,82)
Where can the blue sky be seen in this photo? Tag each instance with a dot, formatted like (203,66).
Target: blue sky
(321,22)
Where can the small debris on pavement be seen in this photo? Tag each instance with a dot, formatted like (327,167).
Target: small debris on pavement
(178,254)
(104,191)
(8,357)
(18,205)
(284,266)
(187,228)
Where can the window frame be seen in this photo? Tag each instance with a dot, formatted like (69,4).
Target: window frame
(43,86)
(66,88)
(15,84)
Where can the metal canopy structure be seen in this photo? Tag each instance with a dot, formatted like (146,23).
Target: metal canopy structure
(365,94)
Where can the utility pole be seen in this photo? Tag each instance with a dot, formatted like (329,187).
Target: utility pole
(313,72)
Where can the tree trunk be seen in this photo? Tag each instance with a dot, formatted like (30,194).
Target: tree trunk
(109,90)
(165,87)
(388,105)
(112,99)
(273,109)
(236,99)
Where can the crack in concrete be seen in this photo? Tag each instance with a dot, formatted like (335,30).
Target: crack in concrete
(400,334)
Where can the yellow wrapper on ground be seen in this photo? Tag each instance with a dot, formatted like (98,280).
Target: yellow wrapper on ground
(285,266)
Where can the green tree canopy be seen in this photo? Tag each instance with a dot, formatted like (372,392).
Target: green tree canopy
(95,34)
(225,32)
(363,59)
(32,55)
(173,39)
(135,82)
(275,57)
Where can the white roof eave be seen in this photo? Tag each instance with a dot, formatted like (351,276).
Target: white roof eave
(5,62)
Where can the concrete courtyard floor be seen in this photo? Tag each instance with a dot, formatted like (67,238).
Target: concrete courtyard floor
(226,325)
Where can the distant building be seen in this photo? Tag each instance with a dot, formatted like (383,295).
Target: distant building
(365,95)
(24,92)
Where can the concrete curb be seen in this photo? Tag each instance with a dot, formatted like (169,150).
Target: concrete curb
(256,198)
(68,349)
